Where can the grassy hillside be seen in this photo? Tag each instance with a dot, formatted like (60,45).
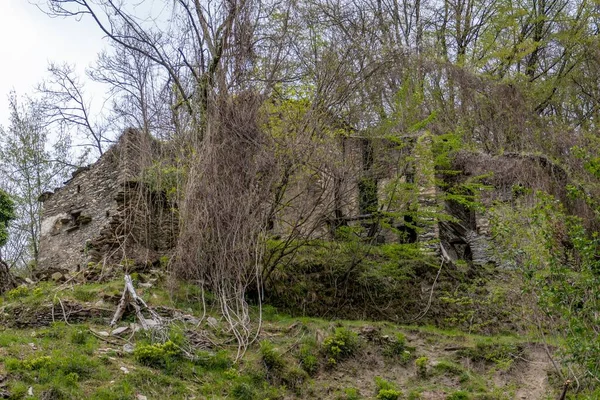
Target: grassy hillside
(56,344)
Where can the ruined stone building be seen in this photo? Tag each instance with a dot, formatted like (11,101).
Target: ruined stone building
(108,212)
(105,213)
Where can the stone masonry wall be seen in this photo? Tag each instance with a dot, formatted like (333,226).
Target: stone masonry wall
(105,214)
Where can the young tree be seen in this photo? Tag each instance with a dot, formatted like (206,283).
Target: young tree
(30,165)
(7,214)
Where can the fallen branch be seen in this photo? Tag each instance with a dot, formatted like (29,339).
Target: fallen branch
(130,297)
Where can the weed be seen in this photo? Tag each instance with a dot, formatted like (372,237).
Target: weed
(382,384)
(415,395)
(397,346)
(18,390)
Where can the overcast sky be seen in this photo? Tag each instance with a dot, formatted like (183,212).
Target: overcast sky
(29,39)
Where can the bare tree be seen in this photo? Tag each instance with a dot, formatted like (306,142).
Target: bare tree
(65,105)
(28,170)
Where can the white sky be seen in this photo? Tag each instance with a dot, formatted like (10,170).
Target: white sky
(29,39)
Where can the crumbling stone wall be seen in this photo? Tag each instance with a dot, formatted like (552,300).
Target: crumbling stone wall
(104,213)
(354,186)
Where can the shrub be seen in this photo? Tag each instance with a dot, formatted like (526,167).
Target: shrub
(157,355)
(342,344)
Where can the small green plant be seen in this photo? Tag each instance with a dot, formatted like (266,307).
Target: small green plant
(501,354)
(33,364)
(243,391)
(388,394)
(71,379)
(421,364)
(271,358)
(81,294)
(415,395)
(157,355)
(17,293)
(448,367)
(218,361)
(342,344)
(307,355)
(397,346)
(386,390)
(459,395)
(350,394)
(398,349)
(79,337)
(294,377)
